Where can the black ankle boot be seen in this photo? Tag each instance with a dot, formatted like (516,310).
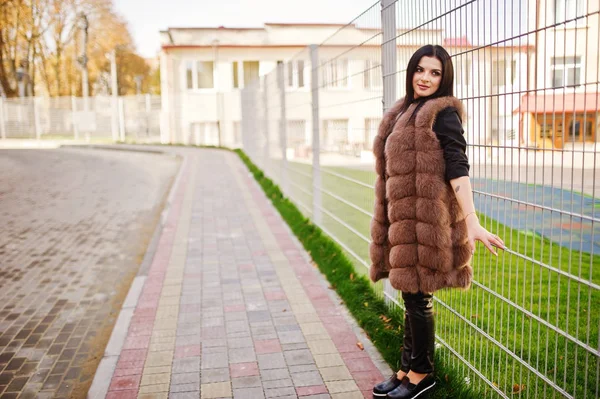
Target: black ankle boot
(411,391)
(380,390)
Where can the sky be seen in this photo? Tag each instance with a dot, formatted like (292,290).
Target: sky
(482,21)
(146,18)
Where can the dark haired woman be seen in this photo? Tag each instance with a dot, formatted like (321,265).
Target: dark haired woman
(424,226)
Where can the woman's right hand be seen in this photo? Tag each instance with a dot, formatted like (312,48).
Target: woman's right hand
(476,232)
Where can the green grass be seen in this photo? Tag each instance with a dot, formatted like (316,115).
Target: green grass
(557,300)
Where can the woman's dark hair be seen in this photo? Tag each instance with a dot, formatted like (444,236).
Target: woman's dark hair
(446,85)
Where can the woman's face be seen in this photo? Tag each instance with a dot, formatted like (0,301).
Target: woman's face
(428,76)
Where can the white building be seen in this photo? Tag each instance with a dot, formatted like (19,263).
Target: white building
(563,107)
(203,70)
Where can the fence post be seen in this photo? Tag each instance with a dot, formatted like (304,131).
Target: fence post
(121,107)
(316,136)
(265,119)
(282,129)
(36,118)
(389,67)
(389,57)
(2,121)
(148,109)
(73,119)
(114,117)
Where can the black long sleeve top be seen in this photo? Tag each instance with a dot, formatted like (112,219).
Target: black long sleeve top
(449,131)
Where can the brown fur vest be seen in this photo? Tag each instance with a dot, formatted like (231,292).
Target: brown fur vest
(419,236)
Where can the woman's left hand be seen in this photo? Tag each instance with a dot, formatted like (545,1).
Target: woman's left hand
(476,232)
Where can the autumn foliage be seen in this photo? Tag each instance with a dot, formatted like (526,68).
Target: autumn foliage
(44,37)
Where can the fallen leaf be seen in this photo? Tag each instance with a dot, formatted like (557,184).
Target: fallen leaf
(284,310)
(351,276)
(360,345)
(517,388)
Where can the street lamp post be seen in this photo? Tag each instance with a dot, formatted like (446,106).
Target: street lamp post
(23,79)
(84,25)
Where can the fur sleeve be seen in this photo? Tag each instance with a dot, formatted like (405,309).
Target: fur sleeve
(379,247)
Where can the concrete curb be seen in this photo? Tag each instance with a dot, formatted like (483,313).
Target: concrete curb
(108,364)
(116,147)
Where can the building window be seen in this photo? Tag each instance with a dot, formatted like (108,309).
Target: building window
(250,72)
(278,66)
(567,9)
(335,73)
(199,75)
(566,71)
(371,126)
(296,132)
(335,135)
(499,73)
(372,75)
(463,72)
(205,75)
(189,75)
(504,72)
(236,75)
(295,74)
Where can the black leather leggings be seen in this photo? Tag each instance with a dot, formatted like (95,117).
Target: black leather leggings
(419,330)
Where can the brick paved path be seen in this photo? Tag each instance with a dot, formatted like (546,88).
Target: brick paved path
(75,224)
(232,307)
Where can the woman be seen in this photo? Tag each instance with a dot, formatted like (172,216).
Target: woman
(424,226)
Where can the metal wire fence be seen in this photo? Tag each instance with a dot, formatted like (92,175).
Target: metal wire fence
(528,75)
(93,118)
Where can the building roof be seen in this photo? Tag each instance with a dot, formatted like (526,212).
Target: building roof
(559,103)
(283,35)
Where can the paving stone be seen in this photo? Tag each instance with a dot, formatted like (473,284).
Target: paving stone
(246,382)
(185,378)
(214,375)
(242,355)
(335,373)
(303,368)
(214,360)
(216,390)
(341,386)
(248,393)
(271,361)
(274,374)
(280,392)
(348,395)
(186,365)
(280,383)
(194,387)
(306,378)
(290,337)
(185,395)
(329,360)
